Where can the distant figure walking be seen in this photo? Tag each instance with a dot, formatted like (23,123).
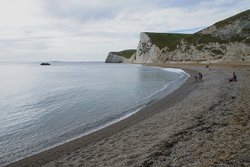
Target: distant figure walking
(196,78)
(233,79)
(200,75)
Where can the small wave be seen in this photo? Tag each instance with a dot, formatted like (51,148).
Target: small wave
(177,70)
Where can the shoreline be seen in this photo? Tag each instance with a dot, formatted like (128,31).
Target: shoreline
(156,107)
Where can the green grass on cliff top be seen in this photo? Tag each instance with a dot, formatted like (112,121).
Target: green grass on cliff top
(165,39)
(241,16)
(126,53)
(198,38)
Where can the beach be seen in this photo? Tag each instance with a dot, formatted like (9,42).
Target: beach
(203,123)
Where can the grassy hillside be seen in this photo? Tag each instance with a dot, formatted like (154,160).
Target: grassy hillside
(126,53)
(198,38)
(204,39)
(172,40)
(165,39)
(241,16)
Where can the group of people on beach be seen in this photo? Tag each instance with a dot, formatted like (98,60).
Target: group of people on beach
(199,76)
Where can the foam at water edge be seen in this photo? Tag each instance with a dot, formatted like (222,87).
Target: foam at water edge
(179,71)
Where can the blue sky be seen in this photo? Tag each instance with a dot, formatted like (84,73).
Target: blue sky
(86,30)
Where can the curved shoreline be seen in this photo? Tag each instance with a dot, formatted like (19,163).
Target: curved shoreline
(68,147)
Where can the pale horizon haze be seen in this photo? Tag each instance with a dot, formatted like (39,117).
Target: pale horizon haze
(84,30)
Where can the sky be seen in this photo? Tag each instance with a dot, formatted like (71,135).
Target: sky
(87,30)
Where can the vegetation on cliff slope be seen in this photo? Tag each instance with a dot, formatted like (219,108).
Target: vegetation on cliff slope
(199,38)
(241,16)
(126,53)
(173,40)
(165,39)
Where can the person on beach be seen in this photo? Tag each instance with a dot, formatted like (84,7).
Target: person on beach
(196,78)
(234,78)
(200,75)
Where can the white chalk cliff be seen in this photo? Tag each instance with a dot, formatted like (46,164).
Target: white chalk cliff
(146,52)
(115,58)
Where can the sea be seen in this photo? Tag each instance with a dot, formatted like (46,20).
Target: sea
(45,106)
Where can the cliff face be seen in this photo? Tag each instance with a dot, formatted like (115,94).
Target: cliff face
(228,40)
(120,57)
(115,58)
(151,46)
(147,52)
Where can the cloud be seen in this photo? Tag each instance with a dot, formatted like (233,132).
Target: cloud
(16,13)
(34,30)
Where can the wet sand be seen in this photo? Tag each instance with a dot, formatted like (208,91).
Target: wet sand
(203,123)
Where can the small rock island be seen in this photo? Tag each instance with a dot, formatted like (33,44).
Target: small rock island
(45,64)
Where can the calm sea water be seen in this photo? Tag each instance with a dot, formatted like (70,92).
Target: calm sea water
(43,106)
